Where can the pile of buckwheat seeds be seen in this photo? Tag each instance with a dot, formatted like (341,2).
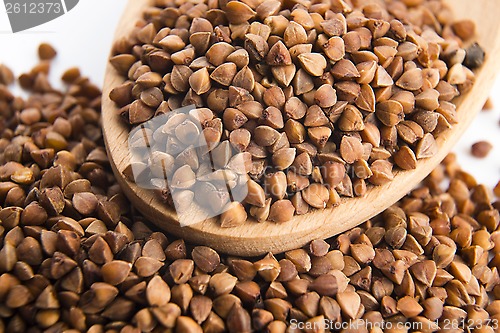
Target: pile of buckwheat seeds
(319,98)
(76,257)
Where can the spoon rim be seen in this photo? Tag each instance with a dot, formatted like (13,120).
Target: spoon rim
(254,238)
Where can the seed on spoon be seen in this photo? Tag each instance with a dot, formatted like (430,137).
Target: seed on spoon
(316,195)
(234,215)
(115,272)
(183,178)
(283,158)
(187,132)
(281,211)
(172,43)
(261,213)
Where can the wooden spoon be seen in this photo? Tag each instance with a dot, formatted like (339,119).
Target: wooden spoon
(254,238)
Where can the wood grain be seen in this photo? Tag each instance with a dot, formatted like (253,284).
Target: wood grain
(257,238)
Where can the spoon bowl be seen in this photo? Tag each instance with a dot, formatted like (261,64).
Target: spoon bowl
(253,238)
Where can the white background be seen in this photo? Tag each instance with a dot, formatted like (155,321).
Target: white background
(83,37)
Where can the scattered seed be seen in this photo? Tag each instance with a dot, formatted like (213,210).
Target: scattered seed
(46,52)
(481,149)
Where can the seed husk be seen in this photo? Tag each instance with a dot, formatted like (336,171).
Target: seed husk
(278,55)
(275,184)
(409,131)
(283,158)
(316,195)
(382,172)
(333,173)
(325,96)
(390,112)
(256,47)
(46,51)
(281,211)
(474,56)
(351,149)
(411,80)
(261,213)
(238,12)
(233,215)
(349,303)
(205,258)
(116,271)
(405,158)
(426,147)
(224,74)
(199,81)
(6,75)
(265,136)
(351,119)
(313,63)
(294,34)
(157,292)
(481,149)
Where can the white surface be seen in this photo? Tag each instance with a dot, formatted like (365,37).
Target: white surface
(83,36)
(485,127)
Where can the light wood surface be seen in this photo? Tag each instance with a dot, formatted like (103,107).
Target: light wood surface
(257,238)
